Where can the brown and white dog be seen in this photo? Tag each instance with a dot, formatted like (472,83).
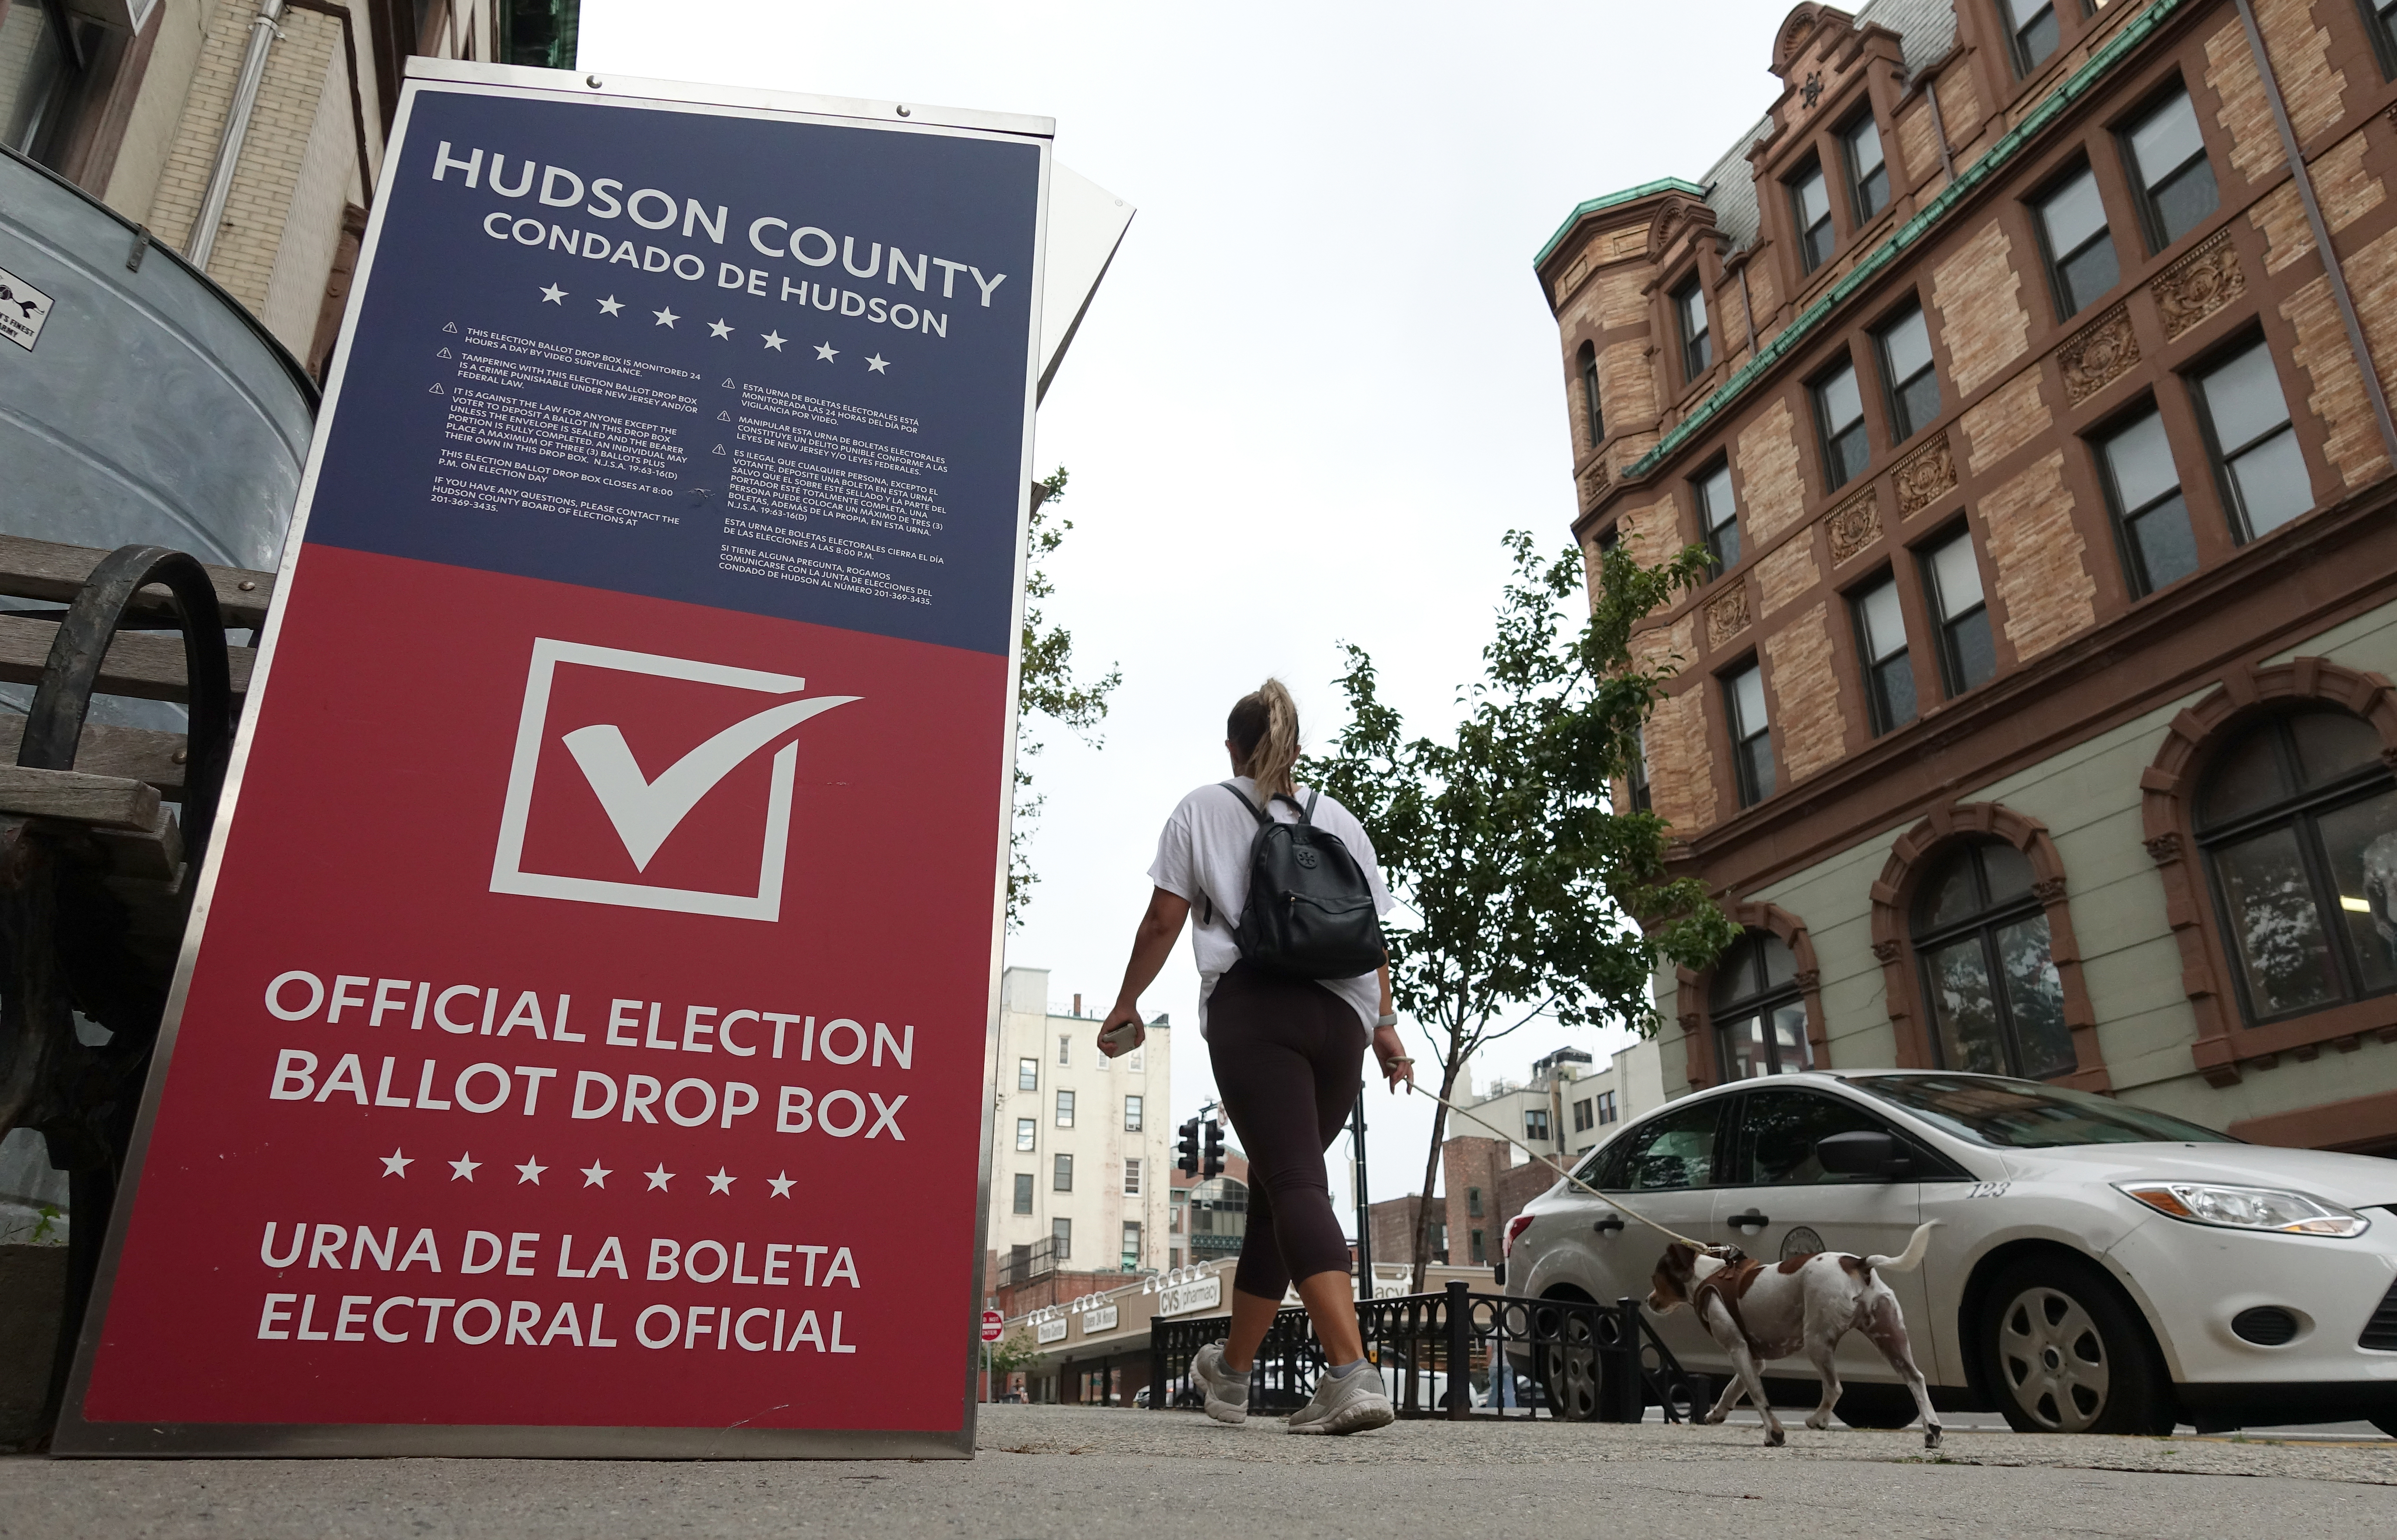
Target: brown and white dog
(1808,1303)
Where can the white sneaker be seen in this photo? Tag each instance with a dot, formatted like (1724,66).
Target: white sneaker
(1350,1405)
(1227,1401)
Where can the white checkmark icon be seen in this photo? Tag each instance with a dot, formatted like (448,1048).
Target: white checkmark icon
(645,812)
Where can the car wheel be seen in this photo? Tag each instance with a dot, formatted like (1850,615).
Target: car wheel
(1565,1361)
(2065,1354)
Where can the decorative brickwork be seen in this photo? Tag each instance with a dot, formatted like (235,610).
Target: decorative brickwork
(1977,293)
(1680,767)
(1920,479)
(1593,485)
(2342,185)
(2010,418)
(2049,595)
(2098,355)
(1917,138)
(1960,106)
(1608,246)
(1857,523)
(1772,492)
(2371,272)
(1652,534)
(1785,574)
(2198,285)
(1765,296)
(2351,432)
(1620,301)
(2300,51)
(1727,615)
(1662,649)
(1806,693)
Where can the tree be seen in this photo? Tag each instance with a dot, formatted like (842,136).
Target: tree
(1012,1353)
(1048,686)
(1526,882)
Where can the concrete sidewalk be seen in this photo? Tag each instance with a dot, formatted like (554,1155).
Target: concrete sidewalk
(1068,1471)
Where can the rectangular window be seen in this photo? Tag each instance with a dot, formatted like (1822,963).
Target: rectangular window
(2143,493)
(1906,367)
(1868,172)
(1717,514)
(1065,1109)
(1810,204)
(1061,1238)
(1023,1192)
(2031,31)
(1641,798)
(1839,416)
(1131,1115)
(2169,168)
(1063,1178)
(1752,739)
(1584,1116)
(1027,1075)
(1065,1050)
(1535,1124)
(1967,654)
(1132,1061)
(2381,17)
(1589,392)
(1131,1246)
(1697,342)
(1131,1179)
(1479,1260)
(1889,671)
(2079,245)
(1606,1111)
(1473,1203)
(2255,454)
(1024,1133)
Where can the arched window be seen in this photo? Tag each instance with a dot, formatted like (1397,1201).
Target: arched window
(2297,818)
(1989,973)
(1219,1218)
(1589,393)
(1759,1009)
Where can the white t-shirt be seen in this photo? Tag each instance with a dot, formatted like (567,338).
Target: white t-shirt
(1203,856)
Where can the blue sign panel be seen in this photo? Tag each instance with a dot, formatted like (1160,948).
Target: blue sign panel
(749,364)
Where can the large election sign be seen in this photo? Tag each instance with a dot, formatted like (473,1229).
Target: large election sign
(583,1043)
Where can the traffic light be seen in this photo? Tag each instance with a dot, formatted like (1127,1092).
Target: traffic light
(1189,1161)
(1212,1166)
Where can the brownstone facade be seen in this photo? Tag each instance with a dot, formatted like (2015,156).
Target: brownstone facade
(2073,677)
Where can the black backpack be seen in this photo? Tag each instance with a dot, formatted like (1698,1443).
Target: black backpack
(1311,910)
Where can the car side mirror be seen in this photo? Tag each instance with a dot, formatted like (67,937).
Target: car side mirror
(1864,1152)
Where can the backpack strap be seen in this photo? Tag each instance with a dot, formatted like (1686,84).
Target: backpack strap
(1254,811)
(1306,813)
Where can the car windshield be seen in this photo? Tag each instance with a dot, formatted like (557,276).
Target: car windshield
(2022,1115)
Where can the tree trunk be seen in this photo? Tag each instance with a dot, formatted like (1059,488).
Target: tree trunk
(1431,1170)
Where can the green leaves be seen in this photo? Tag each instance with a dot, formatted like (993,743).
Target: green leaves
(1046,685)
(1528,884)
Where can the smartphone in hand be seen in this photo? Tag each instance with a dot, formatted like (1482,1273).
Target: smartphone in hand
(1119,1040)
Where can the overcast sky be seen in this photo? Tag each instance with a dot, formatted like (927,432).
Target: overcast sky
(1320,380)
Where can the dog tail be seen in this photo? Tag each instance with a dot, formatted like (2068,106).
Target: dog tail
(1911,1258)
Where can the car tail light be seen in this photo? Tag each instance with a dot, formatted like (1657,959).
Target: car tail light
(1514,1227)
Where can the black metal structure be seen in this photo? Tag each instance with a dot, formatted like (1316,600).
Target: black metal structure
(1571,1360)
(76,939)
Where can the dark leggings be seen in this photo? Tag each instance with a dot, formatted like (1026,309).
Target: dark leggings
(1287,1053)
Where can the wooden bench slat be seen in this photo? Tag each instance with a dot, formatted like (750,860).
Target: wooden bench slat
(105,801)
(46,569)
(138,754)
(139,664)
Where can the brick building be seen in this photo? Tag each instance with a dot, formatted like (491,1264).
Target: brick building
(129,100)
(2037,718)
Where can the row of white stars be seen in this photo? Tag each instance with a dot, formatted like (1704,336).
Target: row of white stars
(719,328)
(594,1175)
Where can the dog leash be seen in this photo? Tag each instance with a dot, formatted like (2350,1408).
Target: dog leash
(1414,1090)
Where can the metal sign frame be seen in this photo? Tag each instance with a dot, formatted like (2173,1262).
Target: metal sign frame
(77,1436)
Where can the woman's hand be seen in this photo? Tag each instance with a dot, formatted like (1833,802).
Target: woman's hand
(1122,1012)
(1392,1057)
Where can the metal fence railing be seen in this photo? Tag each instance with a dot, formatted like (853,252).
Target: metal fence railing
(1458,1354)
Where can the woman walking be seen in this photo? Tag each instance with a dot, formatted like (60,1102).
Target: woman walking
(1286,1048)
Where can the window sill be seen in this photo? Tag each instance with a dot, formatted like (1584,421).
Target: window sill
(2222,1059)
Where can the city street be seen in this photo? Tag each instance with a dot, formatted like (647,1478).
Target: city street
(1071,1471)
